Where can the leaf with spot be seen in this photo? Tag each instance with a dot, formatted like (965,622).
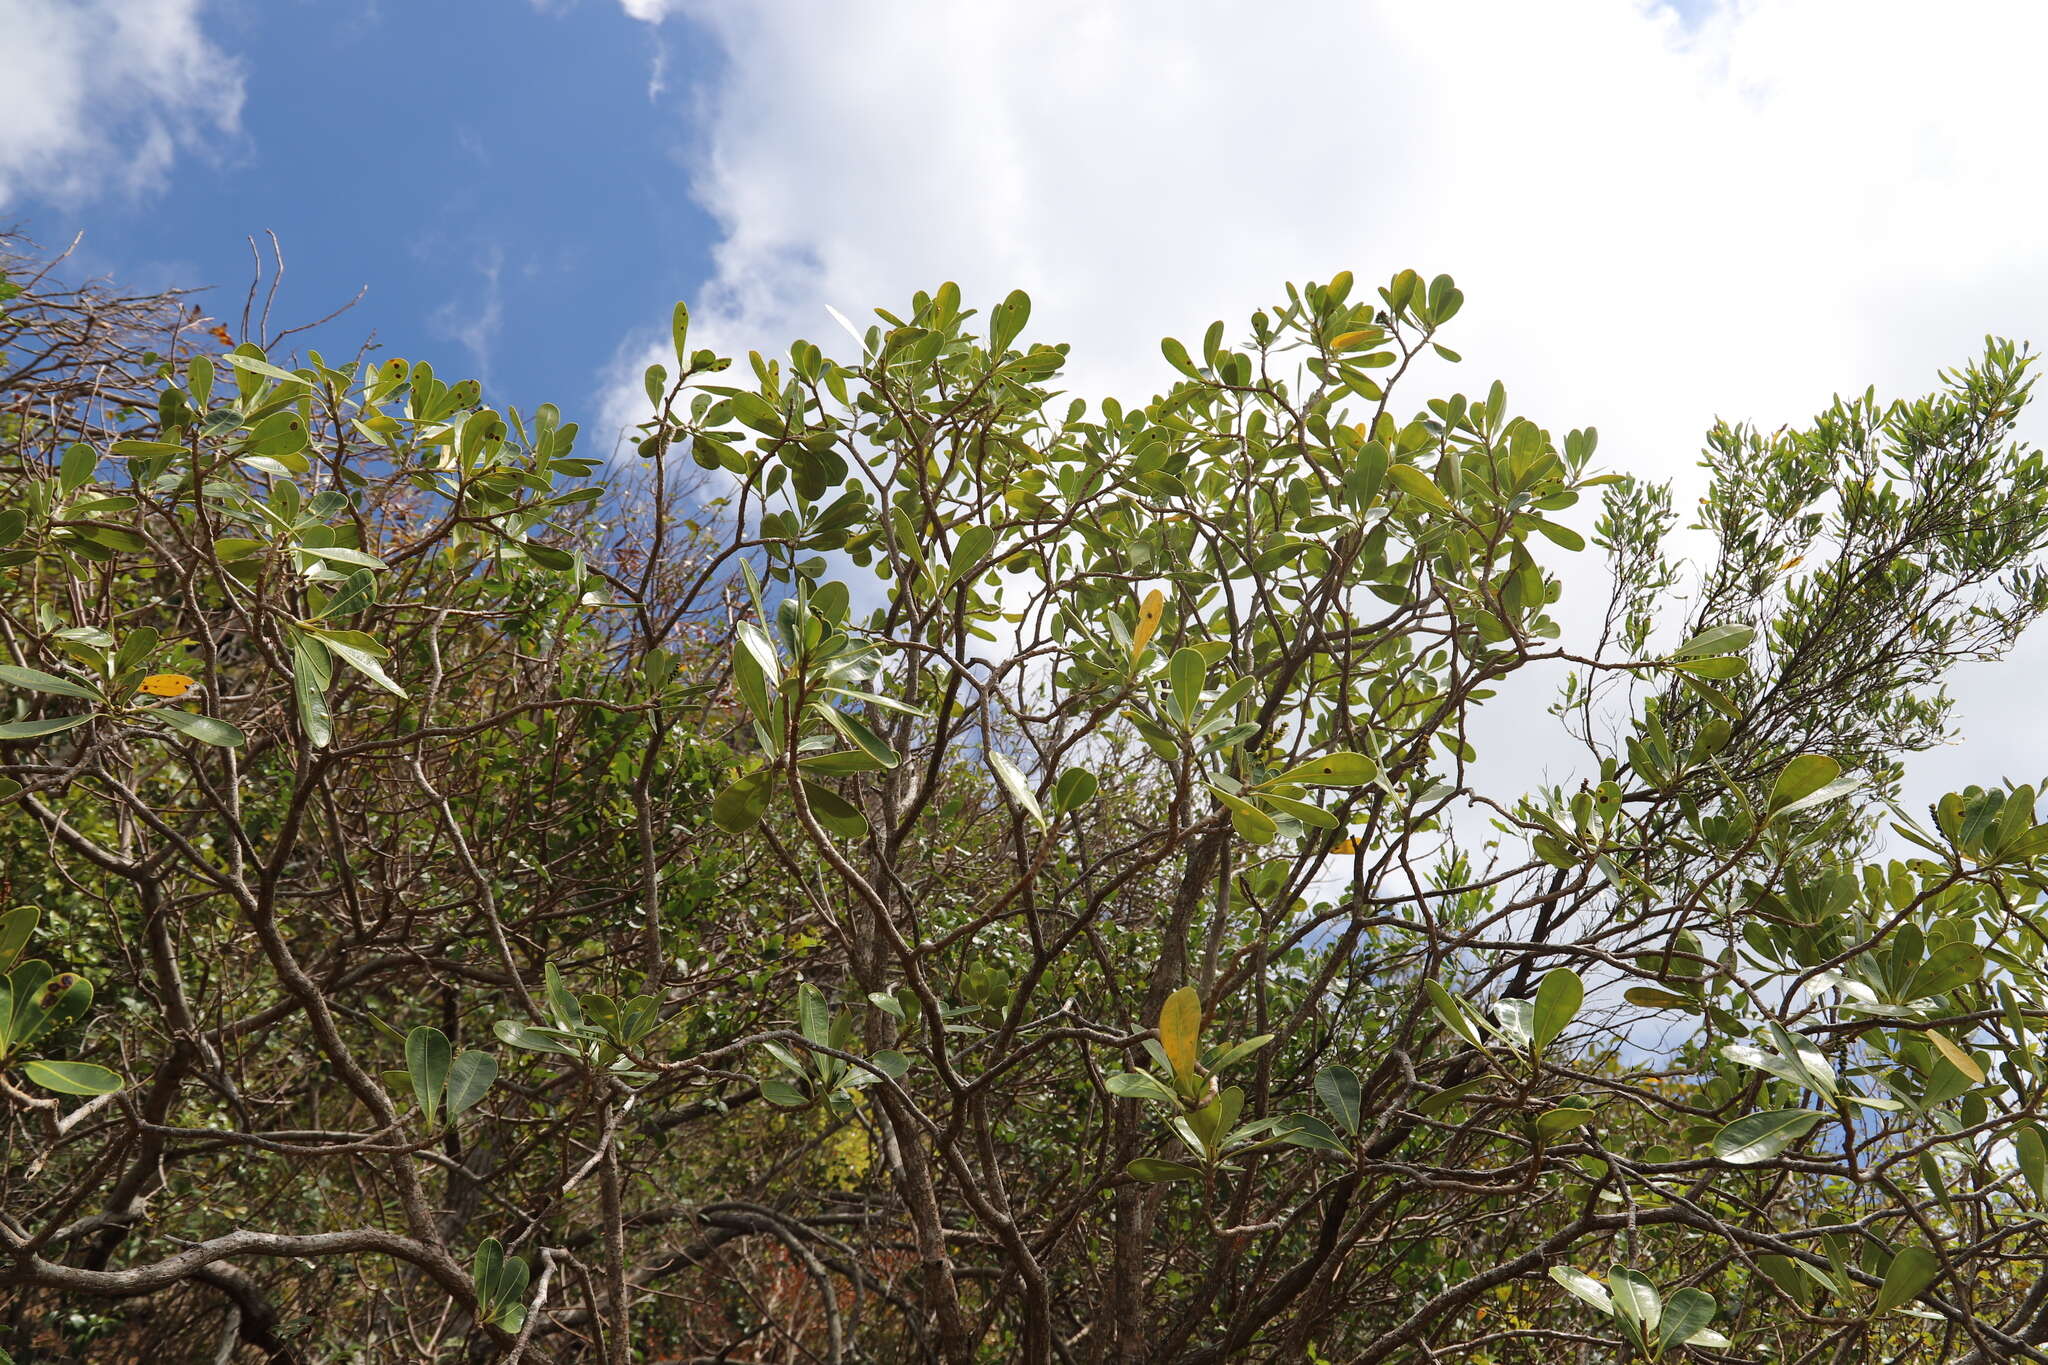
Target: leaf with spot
(1180,1031)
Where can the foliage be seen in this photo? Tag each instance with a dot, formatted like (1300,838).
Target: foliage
(923,867)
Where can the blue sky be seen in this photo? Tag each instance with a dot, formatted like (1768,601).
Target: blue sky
(502,177)
(1660,211)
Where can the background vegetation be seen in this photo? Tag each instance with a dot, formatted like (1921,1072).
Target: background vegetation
(911,865)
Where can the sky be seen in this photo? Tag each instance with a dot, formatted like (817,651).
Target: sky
(1659,213)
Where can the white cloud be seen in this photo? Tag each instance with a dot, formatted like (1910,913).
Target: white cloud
(475,322)
(1655,219)
(101,95)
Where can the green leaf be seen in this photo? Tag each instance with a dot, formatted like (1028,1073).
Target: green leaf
(1796,1060)
(1075,789)
(1515,1020)
(341,554)
(43,1000)
(1727,639)
(1014,782)
(1802,777)
(17,926)
(48,725)
(1759,1137)
(679,333)
(1237,1052)
(357,591)
(1584,1286)
(426,1061)
(1908,1276)
(860,736)
(205,729)
(1306,1130)
(72,1078)
(813,1014)
(1418,485)
(835,812)
(34,680)
(1688,1311)
(1340,769)
(1833,791)
(1562,536)
(873,699)
(469,1077)
(262,367)
(1720,668)
(1157,1171)
(1008,321)
(358,651)
(1337,1087)
(1186,671)
(1652,998)
(784,1094)
(1794,1277)
(2027,1143)
(1139,1085)
(512,1033)
(1551,1122)
(1949,967)
(752,686)
(1452,1011)
(1635,1300)
(485,1265)
(1307,812)
(744,801)
(1557,1002)
(969,551)
(1444,1099)
(75,471)
(756,642)
(312,671)
(500,1284)
(1250,823)
(844,763)
(562,1003)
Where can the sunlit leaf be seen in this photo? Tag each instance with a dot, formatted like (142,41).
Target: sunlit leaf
(1759,1137)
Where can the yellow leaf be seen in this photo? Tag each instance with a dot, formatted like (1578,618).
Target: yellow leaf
(1345,846)
(1957,1058)
(1180,1027)
(168,684)
(1153,608)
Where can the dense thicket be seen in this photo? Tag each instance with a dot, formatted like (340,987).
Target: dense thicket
(913,866)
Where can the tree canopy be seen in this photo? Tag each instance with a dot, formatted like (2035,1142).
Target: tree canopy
(905,863)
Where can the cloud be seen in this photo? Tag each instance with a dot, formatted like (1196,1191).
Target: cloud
(99,96)
(650,11)
(475,323)
(1658,215)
